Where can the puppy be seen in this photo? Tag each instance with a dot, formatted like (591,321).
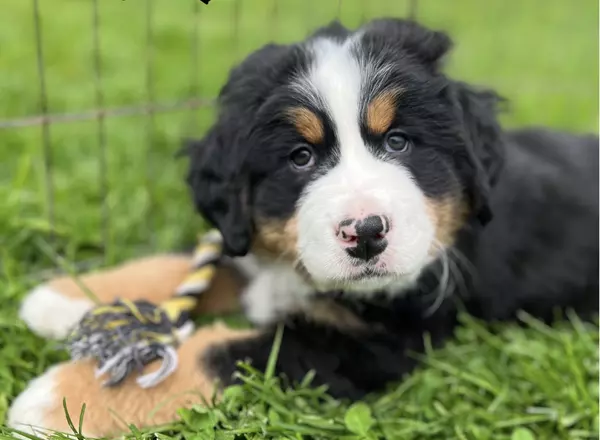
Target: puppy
(374,197)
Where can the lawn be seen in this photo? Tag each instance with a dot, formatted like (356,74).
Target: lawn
(514,382)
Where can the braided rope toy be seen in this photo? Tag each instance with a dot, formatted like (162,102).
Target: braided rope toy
(127,335)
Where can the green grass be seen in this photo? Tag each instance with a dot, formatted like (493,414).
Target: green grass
(517,383)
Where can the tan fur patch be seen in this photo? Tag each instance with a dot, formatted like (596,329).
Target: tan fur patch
(277,239)
(107,408)
(154,279)
(308,124)
(448,215)
(326,311)
(223,295)
(381,111)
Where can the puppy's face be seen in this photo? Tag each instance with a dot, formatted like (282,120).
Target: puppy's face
(350,157)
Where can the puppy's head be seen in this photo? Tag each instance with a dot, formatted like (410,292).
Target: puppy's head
(350,155)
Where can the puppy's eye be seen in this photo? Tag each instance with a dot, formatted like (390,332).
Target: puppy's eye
(302,157)
(397,142)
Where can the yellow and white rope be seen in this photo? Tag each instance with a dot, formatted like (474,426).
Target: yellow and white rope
(127,335)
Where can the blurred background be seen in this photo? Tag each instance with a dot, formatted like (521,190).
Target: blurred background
(99,186)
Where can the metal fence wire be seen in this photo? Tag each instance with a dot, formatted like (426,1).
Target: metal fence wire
(149,108)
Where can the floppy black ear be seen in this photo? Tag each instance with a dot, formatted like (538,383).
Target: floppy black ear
(220,190)
(483,140)
(423,44)
(218,174)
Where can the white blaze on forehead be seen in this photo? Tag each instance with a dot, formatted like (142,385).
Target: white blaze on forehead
(337,77)
(335,81)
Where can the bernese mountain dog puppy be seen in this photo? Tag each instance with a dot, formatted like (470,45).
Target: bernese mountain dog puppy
(369,198)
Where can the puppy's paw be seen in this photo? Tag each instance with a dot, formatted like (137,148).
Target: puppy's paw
(53,308)
(37,410)
(40,408)
(51,313)
(109,410)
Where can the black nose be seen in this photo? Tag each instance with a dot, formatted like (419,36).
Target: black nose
(370,238)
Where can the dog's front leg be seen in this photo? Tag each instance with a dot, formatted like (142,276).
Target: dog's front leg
(109,409)
(352,361)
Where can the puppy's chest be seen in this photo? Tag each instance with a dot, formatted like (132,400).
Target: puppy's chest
(276,292)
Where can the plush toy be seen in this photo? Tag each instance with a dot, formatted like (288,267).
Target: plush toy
(127,335)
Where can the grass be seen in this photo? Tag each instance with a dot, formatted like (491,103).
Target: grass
(517,382)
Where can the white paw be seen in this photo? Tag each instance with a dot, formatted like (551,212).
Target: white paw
(29,411)
(51,314)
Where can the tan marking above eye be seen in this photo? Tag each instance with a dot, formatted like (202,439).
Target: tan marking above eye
(381,111)
(308,124)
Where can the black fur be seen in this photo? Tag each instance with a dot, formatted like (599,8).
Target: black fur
(218,174)
(531,241)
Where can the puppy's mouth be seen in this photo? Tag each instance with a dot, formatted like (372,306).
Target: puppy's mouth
(369,273)
(358,277)
(365,279)
(358,274)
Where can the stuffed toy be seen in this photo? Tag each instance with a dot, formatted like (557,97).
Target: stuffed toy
(125,336)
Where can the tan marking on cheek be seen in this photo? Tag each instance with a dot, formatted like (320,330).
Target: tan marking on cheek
(277,239)
(381,111)
(187,386)
(308,124)
(448,216)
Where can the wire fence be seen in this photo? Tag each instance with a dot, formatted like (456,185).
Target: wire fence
(46,120)
(149,108)
(150,105)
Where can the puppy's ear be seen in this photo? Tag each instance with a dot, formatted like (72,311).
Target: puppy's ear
(483,141)
(218,175)
(425,45)
(220,190)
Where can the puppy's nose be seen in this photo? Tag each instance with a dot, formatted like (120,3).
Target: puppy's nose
(364,238)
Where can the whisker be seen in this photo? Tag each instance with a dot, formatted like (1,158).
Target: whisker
(461,258)
(442,291)
(459,278)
